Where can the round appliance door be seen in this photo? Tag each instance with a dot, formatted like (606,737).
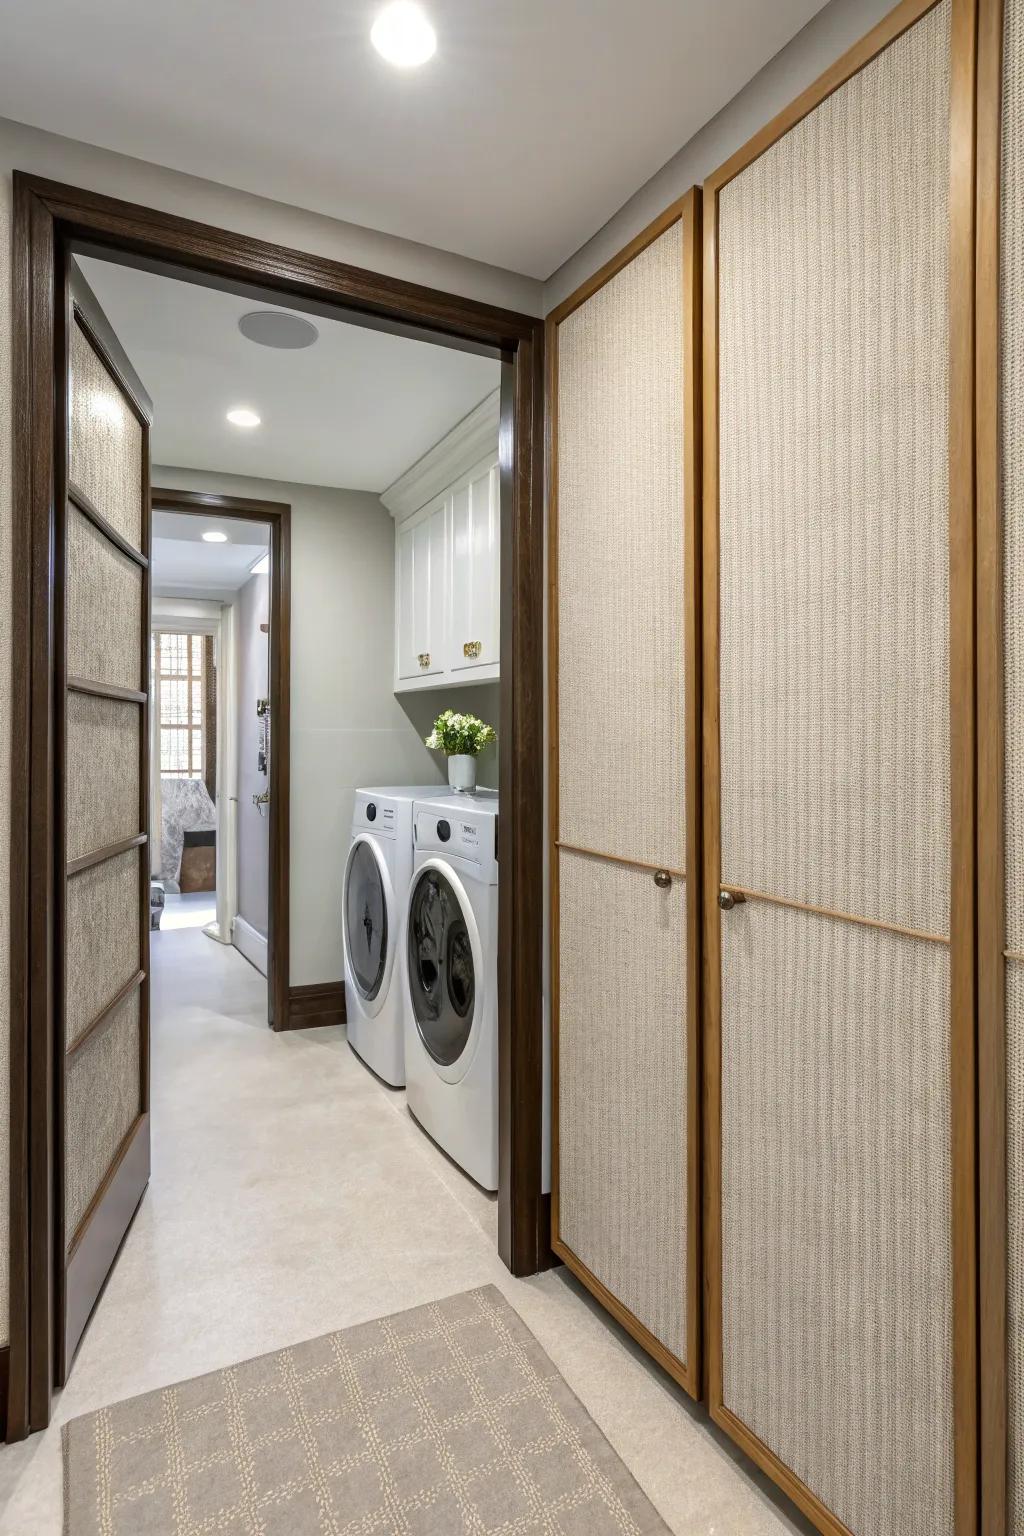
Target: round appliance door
(369,922)
(445,968)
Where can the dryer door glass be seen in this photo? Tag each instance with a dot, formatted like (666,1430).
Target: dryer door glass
(442,983)
(366,921)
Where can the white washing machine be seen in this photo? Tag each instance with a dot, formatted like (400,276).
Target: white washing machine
(374,901)
(451,971)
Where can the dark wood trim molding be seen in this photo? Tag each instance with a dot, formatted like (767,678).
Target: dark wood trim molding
(101,855)
(89,509)
(51,222)
(118,998)
(316,1005)
(278,514)
(106,691)
(102,1230)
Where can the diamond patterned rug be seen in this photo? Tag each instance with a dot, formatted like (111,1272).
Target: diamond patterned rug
(445,1420)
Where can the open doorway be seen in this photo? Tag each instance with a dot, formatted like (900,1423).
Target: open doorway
(346,627)
(219,687)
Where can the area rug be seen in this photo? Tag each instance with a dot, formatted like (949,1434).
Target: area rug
(445,1420)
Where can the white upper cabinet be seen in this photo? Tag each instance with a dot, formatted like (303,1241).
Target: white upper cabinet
(447,551)
(473,575)
(420,595)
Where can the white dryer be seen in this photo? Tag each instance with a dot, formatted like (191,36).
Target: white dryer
(374,901)
(451,969)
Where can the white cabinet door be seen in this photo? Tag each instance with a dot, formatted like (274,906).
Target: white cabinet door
(474,573)
(420,594)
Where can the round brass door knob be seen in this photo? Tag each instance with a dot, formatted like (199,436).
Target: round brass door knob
(726,900)
(662,879)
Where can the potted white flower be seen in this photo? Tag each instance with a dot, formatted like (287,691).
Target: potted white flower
(461,738)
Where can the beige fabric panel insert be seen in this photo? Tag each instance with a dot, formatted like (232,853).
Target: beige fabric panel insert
(106,441)
(621,688)
(622,1073)
(836,1246)
(1012,435)
(833,321)
(102,755)
(104,608)
(103,1099)
(101,937)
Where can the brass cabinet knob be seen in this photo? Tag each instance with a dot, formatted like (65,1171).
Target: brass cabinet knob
(424,658)
(472,648)
(729,899)
(662,879)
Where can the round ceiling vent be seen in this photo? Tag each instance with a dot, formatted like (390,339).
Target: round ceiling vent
(276,328)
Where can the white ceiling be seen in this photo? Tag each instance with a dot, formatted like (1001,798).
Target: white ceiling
(533,123)
(184,565)
(356,409)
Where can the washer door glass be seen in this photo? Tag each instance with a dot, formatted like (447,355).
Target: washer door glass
(442,983)
(366,920)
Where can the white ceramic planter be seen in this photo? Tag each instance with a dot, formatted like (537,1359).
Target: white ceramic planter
(462,773)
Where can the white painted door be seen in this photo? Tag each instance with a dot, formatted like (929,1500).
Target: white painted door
(474,573)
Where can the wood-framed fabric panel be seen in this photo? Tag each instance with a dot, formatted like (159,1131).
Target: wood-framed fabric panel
(624,406)
(838,780)
(102,1014)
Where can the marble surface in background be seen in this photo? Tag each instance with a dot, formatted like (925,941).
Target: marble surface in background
(185,806)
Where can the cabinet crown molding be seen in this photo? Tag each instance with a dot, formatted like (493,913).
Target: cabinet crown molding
(475,436)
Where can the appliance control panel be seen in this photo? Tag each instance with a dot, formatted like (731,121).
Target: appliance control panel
(465,836)
(375,814)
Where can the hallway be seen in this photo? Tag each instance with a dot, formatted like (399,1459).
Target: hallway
(291,1194)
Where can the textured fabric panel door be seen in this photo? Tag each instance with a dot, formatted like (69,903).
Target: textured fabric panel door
(834,1282)
(106,447)
(622,1070)
(102,755)
(833,501)
(104,607)
(102,1104)
(1011,381)
(625,860)
(101,1122)
(101,937)
(836,1261)
(621,657)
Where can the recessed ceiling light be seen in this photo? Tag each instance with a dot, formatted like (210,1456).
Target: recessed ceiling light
(242,417)
(277,328)
(214,536)
(261,566)
(403,35)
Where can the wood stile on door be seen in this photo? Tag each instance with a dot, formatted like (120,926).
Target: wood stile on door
(687,212)
(962,742)
(993,1227)
(52,220)
(277,515)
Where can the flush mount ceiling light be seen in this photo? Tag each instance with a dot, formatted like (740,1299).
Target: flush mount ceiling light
(403,35)
(214,536)
(261,566)
(242,417)
(276,328)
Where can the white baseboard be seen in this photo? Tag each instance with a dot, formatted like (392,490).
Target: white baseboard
(250,943)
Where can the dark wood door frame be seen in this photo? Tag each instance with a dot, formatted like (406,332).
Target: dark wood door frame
(51,221)
(278,515)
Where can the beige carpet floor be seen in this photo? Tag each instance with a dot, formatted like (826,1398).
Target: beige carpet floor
(445,1419)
